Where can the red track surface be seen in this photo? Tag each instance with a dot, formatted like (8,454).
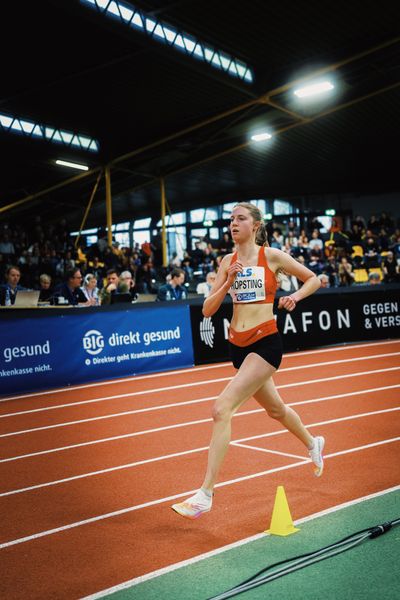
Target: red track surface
(37,432)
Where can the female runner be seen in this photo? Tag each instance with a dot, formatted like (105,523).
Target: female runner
(249,276)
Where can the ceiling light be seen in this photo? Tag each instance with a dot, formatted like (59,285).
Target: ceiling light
(261,137)
(65,163)
(313,89)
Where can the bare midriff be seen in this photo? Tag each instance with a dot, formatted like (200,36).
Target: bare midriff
(247,316)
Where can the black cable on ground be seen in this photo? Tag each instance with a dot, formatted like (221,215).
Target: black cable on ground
(299,562)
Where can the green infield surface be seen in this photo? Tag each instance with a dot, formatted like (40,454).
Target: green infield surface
(370,570)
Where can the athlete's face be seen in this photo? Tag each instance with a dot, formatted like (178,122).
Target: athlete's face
(242,224)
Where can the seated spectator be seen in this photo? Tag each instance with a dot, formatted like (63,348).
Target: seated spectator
(331,270)
(146,278)
(314,264)
(371,253)
(316,244)
(70,291)
(187,267)
(127,278)
(345,271)
(225,246)
(112,287)
(175,261)
(324,279)
(204,287)
(46,291)
(288,283)
(277,239)
(174,289)
(391,269)
(90,289)
(9,290)
(374,278)
(6,246)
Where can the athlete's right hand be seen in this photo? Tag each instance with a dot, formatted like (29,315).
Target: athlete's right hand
(233,270)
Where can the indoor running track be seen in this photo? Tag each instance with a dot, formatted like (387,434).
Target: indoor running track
(88,473)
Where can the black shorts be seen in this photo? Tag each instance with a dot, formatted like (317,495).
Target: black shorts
(269,348)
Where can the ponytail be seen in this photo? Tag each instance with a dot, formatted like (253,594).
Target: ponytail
(261,236)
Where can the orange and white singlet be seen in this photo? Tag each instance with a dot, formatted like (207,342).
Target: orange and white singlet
(254,284)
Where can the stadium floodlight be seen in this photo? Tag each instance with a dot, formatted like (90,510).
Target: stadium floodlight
(261,137)
(66,163)
(314,89)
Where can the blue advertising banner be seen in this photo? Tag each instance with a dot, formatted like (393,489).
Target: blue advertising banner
(81,346)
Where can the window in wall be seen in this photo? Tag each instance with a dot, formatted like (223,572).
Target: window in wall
(160,31)
(211,214)
(139,237)
(176,241)
(122,226)
(214,233)
(196,234)
(197,215)
(123,238)
(281,207)
(91,239)
(142,223)
(14,124)
(227,210)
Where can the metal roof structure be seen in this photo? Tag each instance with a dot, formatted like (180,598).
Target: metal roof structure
(158,111)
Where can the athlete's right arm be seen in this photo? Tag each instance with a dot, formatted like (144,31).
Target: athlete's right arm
(225,277)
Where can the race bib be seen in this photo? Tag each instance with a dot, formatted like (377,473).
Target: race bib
(249,286)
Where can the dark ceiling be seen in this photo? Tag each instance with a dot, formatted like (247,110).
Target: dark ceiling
(73,68)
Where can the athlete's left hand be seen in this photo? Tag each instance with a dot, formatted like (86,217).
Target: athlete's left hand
(287,302)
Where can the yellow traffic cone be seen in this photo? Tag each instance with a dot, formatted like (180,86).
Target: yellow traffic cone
(281,522)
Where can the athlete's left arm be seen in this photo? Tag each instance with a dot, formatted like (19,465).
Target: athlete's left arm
(311,283)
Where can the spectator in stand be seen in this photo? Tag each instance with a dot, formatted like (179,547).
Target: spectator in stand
(112,287)
(174,289)
(204,288)
(324,279)
(197,256)
(315,224)
(7,247)
(147,250)
(288,283)
(383,240)
(314,264)
(371,253)
(225,246)
(90,289)
(291,241)
(386,222)
(175,261)
(345,271)
(146,278)
(71,291)
(186,266)
(9,290)
(97,269)
(316,245)
(46,291)
(277,239)
(331,270)
(373,224)
(390,268)
(374,278)
(127,278)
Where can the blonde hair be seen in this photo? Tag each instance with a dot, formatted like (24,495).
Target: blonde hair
(261,233)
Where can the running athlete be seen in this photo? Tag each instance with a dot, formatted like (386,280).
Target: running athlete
(249,276)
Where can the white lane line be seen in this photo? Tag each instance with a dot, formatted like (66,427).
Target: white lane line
(192,370)
(190,561)
(128,435)
(183,453)
(238,445)
(129,509)
(129,412)
(185,385)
